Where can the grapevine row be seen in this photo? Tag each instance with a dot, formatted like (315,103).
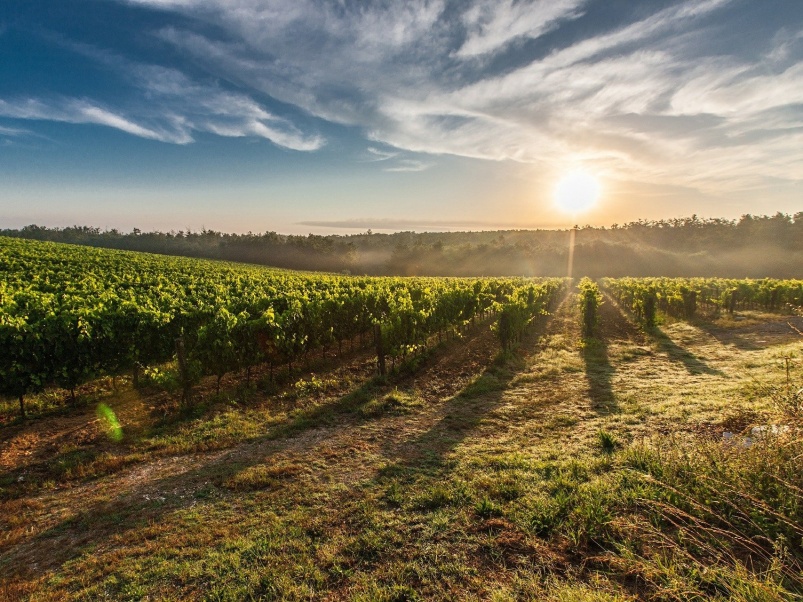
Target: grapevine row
(682,297)
(69,314)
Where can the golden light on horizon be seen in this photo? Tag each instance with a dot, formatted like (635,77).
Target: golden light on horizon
(577,191)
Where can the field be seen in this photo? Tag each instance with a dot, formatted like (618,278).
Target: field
(623,461)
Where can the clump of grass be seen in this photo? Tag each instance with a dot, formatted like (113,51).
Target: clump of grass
(394,495)
(509,461)
(388,593)
(728,518)
(396,402)
(561,421)
(262,476)
(607,441)
(440,496)
(549,513)
(507,488)
(487,383)
(486,508)
(574,591)
(312,387)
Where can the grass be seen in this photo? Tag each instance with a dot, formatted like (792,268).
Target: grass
(394,403)
(607,441)
(564,471)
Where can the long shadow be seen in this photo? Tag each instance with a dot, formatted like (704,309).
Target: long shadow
(753,336)
(19,482)
(599,374)
(692,363)
(614,324)
(464,412)
(149,502)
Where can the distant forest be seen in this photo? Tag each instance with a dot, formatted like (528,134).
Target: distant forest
(752,246)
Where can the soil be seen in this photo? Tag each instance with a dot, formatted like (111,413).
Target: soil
(46,527)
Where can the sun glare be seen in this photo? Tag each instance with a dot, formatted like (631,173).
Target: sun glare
(577,191)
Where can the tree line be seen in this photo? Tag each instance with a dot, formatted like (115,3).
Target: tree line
(752,246)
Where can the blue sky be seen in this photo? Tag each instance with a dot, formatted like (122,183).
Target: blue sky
(331,116)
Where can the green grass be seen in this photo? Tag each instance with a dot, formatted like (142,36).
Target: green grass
(561,472)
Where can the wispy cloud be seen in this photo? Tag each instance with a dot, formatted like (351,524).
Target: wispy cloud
(409,165)
(656,97)
(170,107)
(71,110)
(493,24)
(395,161)
(13,132)
(376,154)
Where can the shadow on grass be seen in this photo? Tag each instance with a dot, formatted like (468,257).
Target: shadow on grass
(147,502)
(753,336)
(692,363)
(463,413)
(599,374)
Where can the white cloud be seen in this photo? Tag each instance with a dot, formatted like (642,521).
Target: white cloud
(380,155)
(409,165)
(492,24)
(651,99)
(170,108)
(738,91)
(83,112)
(71,110)
(13,132)
(211,109)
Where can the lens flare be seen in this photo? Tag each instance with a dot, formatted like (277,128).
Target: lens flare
(113,426)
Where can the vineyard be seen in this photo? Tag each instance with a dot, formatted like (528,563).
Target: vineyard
(340,437)
(70,314)
(681,297)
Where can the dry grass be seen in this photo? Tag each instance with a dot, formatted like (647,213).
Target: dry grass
(570,470)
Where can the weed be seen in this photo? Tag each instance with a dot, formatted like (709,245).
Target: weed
(607,441)
(162,379)
(485,508)
(262,476)
(394,495)
(788,401)
(388,593)
(548,514)
(486,383)
(312,387)
(396,402)
(439,496)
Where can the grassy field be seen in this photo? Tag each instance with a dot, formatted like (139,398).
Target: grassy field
(631,466)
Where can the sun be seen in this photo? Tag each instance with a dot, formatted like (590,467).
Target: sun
(577,191)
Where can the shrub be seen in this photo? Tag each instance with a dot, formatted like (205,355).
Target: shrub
(590,300)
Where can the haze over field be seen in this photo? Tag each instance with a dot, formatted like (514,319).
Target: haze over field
(336,116)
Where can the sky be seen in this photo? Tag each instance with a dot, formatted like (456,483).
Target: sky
(338,116)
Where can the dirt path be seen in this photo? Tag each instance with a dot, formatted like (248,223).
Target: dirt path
(549,402)
(57,523)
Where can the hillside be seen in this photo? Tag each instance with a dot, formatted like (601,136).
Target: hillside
(633,465)
(753,246)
